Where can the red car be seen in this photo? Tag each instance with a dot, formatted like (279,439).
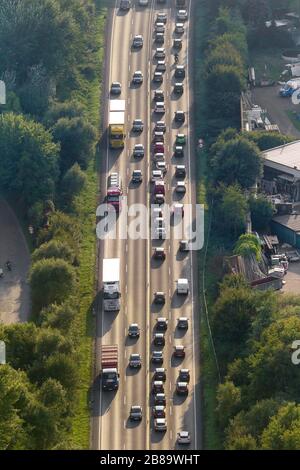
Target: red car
(159,147)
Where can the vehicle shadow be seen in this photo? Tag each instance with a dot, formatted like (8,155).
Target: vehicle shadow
(132,371)
(131,424)
(179,399)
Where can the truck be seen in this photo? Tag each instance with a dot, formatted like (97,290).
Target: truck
(109,367)
(116,123)
(182,286)
(111,284)
(114,191)
(289,87)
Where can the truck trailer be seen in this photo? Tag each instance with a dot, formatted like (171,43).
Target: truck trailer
(111,284)
(109,367)
(116,123)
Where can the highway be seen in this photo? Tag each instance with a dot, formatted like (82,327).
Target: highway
(141,275)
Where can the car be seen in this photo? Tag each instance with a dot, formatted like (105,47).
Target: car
(178,210)
(179,28)
(161,166)
(160,399)
(159,147)
(160,107)
(161,66)
(160,53)
(184,375)
(157,357)
(160,233)
(143,3)
(134,330)
(183,437)
(159,253)
(159,198)
(160,126)
(161,1)
(159,339)
(177,43)
(179,116)
(182,15)
(158,386)
(159,38)
(179,71)
(158,77)
(162,323)
(180,139)
(159,411)
(159,27)
(138,150)
(116,88)
(136,413)
(182,323)
(158,95)
(160,424)
(158,137)
(183,245)
(137,125)
(159,187)
(137,78)
(159,297)
(161,17)
(179,351)
(159,157)
(156,175)
(180,187)
(178,152)
(182,388)
(125,5)
(135,361)
(137,176)
(178,88)
(180,171)
(160,374)
(138,41)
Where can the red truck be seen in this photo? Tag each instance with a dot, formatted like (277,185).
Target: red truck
(114,191)
(109,367)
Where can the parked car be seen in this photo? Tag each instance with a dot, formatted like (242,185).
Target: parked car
(160,107)
(178,210)
(159,27)
(159,297)
(183,245)
(159,38)
(162,166)
(182,15)
(158,77)
(180,187)
(159,137)
(159,198)
(160,66)
(161,17)
(158,95)
(179,28)
(159,147)
(156,175)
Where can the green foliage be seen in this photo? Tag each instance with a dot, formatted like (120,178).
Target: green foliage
(51,280)
(261,212)
(268,140)
(283,432)
(231,210)
(54,249)
(247,245)
(58,316)
(66,109)
(72,184)
(229,402)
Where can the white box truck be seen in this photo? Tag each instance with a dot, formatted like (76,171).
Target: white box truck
(111,284)
(182,286)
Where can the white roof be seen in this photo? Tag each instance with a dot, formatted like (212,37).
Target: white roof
(117,117)
(117,105)
(285,158)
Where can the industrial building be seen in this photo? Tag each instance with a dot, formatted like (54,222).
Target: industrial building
(287,228)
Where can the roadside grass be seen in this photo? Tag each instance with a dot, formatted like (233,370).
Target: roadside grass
(89,94)
(268,64)
(209,373)
(293,118)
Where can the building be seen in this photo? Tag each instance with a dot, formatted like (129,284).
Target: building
(287,228)
(282,171)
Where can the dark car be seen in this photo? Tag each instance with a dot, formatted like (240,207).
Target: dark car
(180,171)
(159,297)
(125,5)
(178,88)
(179,351)
(137,125)
(137,176)
(177,43)
(179,116)
(162,323)
(138,151)
(159,38)
(179,71)
(159,339)
(159,411)
(135,361)
(160,374)
(137,41)
(136,413)
(182,323)
(160,126)
(159,253)
(159,147)
(178,152)
(184,245)
(159,199)
(184,375)
(157,357)
(115,88)
(137,78)
(160,399)
(134,330)
(159,95)
(182,388)
(157,386)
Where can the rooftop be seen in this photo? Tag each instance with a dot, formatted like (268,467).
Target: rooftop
(291,221)
(287,155)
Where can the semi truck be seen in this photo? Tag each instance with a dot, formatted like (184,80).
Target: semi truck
(109,367)
(289,87)
(116,123)
(111,284)
(114,191)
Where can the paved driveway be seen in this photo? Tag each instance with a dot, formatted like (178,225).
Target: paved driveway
(14,289)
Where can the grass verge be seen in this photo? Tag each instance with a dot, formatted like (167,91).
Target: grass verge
(89,93)
(209,373)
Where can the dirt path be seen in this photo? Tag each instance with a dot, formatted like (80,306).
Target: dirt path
(14,288)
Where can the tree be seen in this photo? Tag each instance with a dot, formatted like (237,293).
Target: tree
(239,161)
(62,228)
(20,339)
(283,432)
(29,157)
(268,140)
(59,316)
(77,139)
(225,54)
(261,212)
(51,280)
(229,402)
(231,211)
(54,249)
(73,182)
(66,109)
(248,245)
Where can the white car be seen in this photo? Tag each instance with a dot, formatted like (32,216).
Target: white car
(161,66)
(161,17)
(160,424)
(157,175)
(182,15)
(180,187)
(179,28)
(183,437)
(160,53)
(143,3)
(137,77)
(160,107)
(159,28)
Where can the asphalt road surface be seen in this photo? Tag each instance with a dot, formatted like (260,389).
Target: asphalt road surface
(141,275)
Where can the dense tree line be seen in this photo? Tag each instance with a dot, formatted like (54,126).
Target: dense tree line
(49,52)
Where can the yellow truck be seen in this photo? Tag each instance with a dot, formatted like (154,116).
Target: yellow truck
(116,123)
